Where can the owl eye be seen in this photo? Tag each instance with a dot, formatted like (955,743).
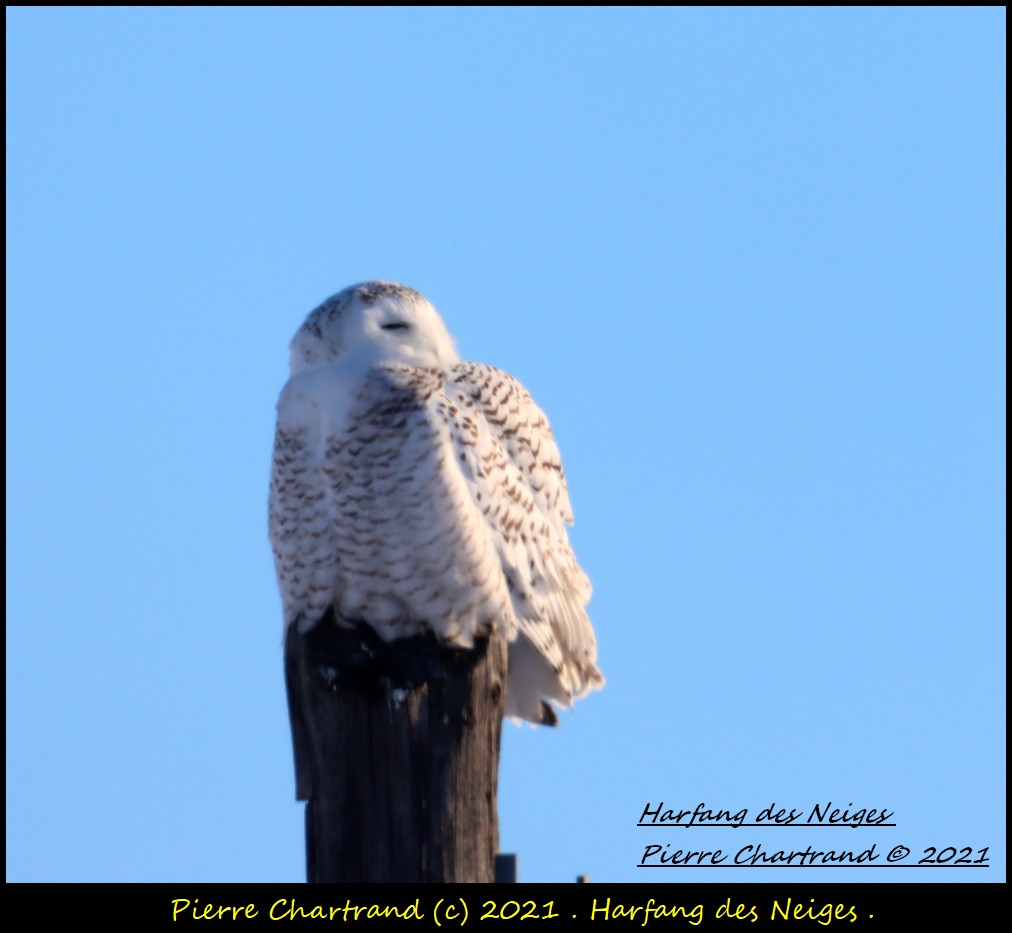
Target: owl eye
(395,325)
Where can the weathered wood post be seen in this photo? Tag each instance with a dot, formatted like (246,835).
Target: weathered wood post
(396,753)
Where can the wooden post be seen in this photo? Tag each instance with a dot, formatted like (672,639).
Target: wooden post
(397,753)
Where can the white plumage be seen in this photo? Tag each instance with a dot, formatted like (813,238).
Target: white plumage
(418,493)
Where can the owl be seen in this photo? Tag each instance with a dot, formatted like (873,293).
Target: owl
(416,493)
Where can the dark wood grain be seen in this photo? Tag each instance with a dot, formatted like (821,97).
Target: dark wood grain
(396,753)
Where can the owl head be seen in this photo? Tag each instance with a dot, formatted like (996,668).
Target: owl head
(373,323)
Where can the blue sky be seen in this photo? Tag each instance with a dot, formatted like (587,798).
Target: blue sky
(751,264)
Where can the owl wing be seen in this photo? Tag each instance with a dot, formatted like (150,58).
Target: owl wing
(513,471)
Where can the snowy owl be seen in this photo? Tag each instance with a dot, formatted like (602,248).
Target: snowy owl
(415,493)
